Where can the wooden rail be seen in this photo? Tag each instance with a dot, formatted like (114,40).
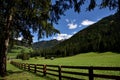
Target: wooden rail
(58,71)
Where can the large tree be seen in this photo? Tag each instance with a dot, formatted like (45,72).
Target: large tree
(20,17)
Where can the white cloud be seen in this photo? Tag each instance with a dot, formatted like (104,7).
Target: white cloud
(62,36)
(19,38)
(72,25)
(87,23)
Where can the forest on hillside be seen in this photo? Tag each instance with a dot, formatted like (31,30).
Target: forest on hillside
(100,37)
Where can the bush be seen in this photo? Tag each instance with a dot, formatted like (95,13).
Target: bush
(23,56)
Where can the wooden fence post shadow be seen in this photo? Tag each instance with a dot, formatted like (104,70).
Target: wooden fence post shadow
(91,73)
(28,67)
(44,70)
(35,68)
(59,69)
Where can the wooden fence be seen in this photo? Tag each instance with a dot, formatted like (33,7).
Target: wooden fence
(58,71)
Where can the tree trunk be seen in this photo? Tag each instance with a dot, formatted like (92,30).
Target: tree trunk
(4,42)
(3,54)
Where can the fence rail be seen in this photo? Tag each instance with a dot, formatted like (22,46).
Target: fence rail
(58,71)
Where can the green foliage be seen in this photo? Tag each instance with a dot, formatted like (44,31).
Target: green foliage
(35,53)
(23,16)
(23,56)
(17,50)
(18,18)
(62,5)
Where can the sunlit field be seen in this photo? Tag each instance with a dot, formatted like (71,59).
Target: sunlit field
(87,59)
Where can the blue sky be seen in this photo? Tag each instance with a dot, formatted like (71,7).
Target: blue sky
(73,22)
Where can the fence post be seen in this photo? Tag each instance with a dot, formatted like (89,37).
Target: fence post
(59,69)
(44,70)
(28,67)
(91,73)
(35,68)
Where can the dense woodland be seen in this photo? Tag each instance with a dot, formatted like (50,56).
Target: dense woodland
(99,37)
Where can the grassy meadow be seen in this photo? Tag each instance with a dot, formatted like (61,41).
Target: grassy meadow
(88,59)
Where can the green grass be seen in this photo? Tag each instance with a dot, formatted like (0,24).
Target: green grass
(88,59)
(13,73)
(17,50)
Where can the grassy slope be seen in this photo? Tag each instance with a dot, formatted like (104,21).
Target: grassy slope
(17,50)
(88,59)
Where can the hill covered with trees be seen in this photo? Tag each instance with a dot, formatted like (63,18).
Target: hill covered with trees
(99,37)
(45,44)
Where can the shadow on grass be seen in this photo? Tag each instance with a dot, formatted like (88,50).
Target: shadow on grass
(10,72)
(38,74)
(41,75)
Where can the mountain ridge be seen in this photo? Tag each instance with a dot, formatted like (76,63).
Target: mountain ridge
(45,44)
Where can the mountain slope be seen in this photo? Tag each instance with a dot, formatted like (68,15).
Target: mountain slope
(101,36)
(45,44)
